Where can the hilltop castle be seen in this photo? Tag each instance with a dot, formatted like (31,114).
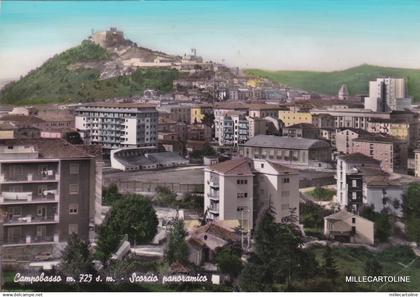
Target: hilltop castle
(109,38)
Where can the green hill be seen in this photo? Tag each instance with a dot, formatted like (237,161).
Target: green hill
(73,76)
(356,78)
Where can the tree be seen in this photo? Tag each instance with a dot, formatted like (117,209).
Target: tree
(111,195)
(229,262)
(329,268)
(133,216)
(73,137)
(76,258)
(382,227)
(253,278)
(208,119)
(177,250)
(165,197)
(411,207)
(278,256)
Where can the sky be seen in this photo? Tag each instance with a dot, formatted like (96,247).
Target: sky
(270,34)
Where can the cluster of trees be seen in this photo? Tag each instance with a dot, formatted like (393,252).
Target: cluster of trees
(132,216)
(165,197)
(278,257)
(177,249)
(322,194)
(312,215)
(383,226)
(207,150)
(412,212)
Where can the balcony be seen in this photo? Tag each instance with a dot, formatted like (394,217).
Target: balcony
(214,208)
(32,240)
(50,176)
(31,220)
(214,183)
(10,198)
(213,196)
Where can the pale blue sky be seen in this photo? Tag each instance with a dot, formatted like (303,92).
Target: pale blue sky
(271,34)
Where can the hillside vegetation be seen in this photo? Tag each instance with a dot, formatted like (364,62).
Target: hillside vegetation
(55,81)
(356,78)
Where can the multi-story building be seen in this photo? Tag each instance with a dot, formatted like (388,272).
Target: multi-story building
(257,126)
(401,129)
(344,139)
(232,129)
(390,151)
(47,192)
(295,116)
(387,94)
(291,151)
(263,110)
(175,112)
(382,192)
(198,112)
(118,125)
(345,117)
(303,130)
(350,171)
(240,189)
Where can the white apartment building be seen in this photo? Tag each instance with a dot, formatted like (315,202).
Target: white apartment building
(387,94)
(118,125)
(231,128)
(382,192)
(241,189)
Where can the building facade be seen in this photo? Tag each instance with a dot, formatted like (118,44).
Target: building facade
(387,94)
(118,125)
(290,151)
(391,152)
(48,191)
(241,189)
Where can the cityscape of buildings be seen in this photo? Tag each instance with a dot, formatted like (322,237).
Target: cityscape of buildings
(239,144)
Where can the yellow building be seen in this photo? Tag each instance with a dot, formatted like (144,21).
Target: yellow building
(253,83)
(398,128)
(292,117)
(198,112)
(7,130)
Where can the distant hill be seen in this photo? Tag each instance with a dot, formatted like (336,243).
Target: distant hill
(75,76)
(328,83)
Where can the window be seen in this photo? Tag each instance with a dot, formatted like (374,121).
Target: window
(286,180)
(242,182)
(285,193)
(262,164)
(242,195)
(74,168)
(41,190)
(74,189)
(16,211)
(43,170)
(73,208)
(73,228)
(41,231)
(353,220)
(354,183)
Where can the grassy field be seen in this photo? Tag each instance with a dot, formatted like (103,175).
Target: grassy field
(351,261)
(56,82)
(328,83)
